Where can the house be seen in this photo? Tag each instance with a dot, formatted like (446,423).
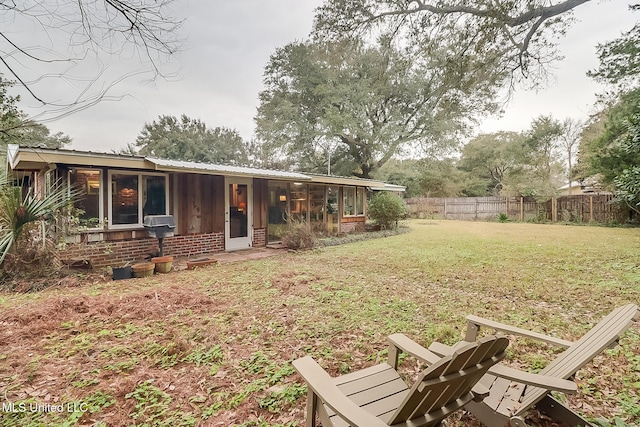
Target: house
(588,186)
(215,207)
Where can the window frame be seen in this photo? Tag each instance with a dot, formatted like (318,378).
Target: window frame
(100,224)
(357,212)
(141,190)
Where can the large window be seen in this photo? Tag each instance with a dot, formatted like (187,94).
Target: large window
(298,206)
(333,209)
(132,196)
(89,182)
(360,201)
(353,201)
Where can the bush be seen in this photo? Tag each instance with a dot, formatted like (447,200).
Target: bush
(386,209)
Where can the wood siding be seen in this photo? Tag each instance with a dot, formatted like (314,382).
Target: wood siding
(200,204)
(260,203)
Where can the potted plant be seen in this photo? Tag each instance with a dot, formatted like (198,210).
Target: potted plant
(163,264)
(143,269)
(121,273)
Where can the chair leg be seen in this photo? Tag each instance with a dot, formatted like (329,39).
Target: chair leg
(312,407)
(559,412)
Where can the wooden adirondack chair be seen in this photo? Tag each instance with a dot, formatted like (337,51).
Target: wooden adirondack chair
(377,396)
(514,392)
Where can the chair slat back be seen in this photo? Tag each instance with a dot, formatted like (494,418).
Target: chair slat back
(593,343)
(446,385)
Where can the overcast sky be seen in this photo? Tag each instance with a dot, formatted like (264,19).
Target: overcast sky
(228,43)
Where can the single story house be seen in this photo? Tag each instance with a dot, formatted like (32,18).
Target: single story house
(215,207)
(588,186)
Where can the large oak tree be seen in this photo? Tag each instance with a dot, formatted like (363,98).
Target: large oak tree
(365,104)
(522,33)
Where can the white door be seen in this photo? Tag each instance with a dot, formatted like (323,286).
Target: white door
(238,194)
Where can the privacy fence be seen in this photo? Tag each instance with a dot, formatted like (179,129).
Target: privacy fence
(600,208)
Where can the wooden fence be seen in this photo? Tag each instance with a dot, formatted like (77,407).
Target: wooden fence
(599,208)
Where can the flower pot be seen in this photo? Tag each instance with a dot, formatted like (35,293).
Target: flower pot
(121,273)
(163,263)
(144,269)
(200,262)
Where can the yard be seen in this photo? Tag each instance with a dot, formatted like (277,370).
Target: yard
(213,346)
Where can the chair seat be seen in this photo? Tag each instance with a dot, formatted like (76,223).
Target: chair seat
(379,390)
(505,395)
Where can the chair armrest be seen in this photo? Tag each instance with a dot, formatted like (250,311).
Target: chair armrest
(322,385)
(441,349)
(537,380)
(503,371)
(474,323)
(480,392)
(405,344)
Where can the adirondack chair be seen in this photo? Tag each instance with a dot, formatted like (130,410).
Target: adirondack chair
(377,396)
(513,392)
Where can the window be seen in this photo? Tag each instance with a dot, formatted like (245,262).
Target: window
(353,201)
(132,196)
(333,209)
(89,181)
(298,205)
(360,201)
(349,201)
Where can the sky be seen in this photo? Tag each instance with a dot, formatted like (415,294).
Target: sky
(218,74)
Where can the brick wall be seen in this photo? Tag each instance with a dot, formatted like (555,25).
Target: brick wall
(259,237)
(115,253)
(348,227)
(352,224)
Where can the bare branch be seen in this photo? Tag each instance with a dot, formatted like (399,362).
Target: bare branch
(74,31)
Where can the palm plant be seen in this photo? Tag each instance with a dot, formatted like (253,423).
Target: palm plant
(18,209)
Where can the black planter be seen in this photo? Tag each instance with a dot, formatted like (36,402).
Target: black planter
(121,273)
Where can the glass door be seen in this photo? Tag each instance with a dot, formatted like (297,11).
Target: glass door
(238,214)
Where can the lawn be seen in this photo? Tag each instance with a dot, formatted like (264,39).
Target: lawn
(214,346)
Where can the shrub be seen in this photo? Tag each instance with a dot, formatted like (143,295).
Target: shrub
(503,217)
(386,209)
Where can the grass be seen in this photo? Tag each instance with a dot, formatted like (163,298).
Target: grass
(214,346)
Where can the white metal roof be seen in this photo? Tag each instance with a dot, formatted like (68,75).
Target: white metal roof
(38,157)
(390,187)
(183,166)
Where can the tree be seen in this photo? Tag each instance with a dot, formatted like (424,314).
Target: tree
(77,34)
(620,58)
(614,152)
(11,118)
(405,172)
(628,181)
(521,35)
(191,140)
(490,158)
(17,209)
(571,133)
(15,128)
(601,151)
(371,103)
(516,163)
(441,178)
(539,170)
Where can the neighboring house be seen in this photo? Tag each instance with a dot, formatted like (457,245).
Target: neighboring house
(215,207)
(574,188)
